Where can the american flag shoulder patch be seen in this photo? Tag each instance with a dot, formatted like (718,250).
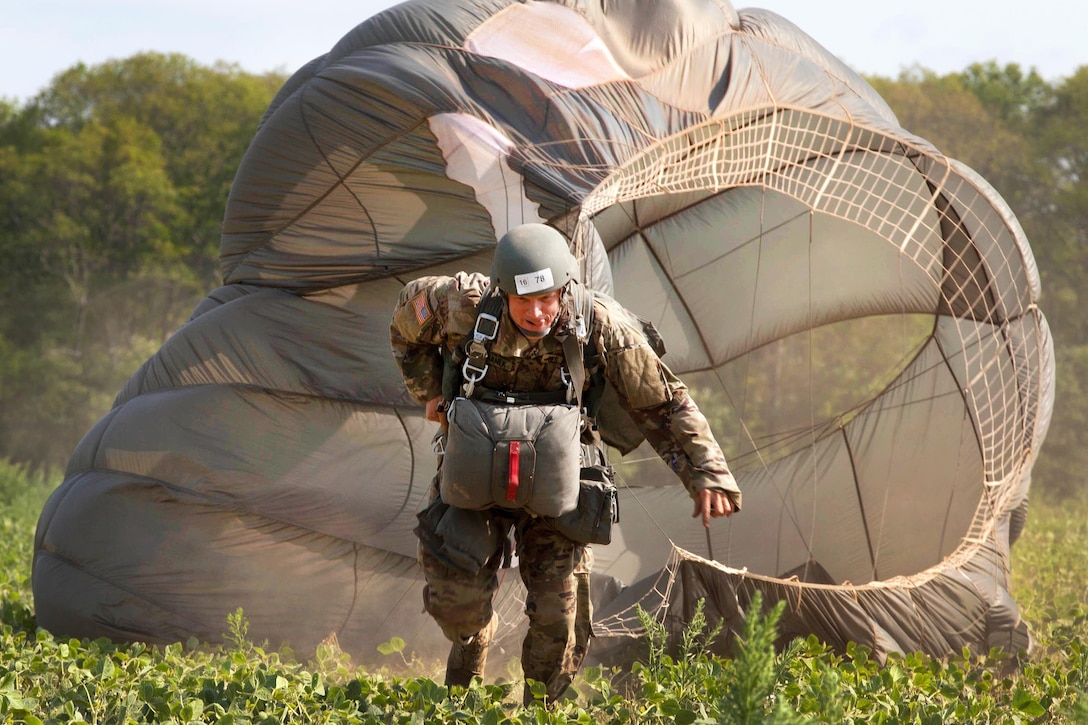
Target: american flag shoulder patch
(423,312)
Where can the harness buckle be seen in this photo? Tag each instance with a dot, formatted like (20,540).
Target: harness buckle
(580,330)
(565,377)
(486,327)
(473,372)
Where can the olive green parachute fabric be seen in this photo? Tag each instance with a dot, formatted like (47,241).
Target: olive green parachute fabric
(855,312)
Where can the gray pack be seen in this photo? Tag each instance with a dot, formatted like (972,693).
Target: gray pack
(512,457)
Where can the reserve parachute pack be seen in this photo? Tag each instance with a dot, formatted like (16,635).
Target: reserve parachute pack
(512,456)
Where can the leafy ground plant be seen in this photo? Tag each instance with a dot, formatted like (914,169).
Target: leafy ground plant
(44,679)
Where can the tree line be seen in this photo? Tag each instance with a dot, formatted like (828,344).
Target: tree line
(114,180)
(113,184)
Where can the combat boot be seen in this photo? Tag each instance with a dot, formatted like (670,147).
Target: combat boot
(468,656)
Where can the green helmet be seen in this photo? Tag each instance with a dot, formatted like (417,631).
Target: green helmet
(532,259)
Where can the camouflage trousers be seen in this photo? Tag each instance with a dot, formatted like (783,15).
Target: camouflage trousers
(555,571)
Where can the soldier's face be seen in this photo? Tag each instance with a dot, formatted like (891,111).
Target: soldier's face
(534,314)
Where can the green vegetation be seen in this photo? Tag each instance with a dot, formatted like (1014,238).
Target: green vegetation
(44,679)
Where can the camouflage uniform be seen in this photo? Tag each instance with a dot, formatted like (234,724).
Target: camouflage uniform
(439,312)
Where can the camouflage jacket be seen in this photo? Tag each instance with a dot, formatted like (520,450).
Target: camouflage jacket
(436,313)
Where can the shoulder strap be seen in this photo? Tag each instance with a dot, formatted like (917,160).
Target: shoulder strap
(576,345)
(473,356)
(484,332)
(572,351)
(591,360)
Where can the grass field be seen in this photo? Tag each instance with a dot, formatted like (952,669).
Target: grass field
(46,680)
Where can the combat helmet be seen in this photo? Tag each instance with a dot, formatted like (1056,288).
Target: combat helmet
(532,259)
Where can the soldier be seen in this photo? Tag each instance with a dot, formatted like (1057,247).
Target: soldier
(536,278)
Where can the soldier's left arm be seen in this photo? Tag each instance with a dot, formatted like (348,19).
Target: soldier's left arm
(681,435)
(671,421)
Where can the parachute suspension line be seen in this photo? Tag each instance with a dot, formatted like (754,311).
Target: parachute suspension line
(355,588)
(963,394)
(746,433)
(952,491)
(743,404)
(920,373)
(811,400)
(861,501)
(649,514)
(637,234)
(360,586)
(885,502)
(640,233)
(411,468)
(420,625)
(783,498)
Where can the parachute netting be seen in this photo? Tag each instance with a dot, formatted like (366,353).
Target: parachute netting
(956,335)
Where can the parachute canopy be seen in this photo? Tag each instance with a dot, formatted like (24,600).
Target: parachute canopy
(855,313)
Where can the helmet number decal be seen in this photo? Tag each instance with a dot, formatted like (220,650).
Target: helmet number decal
(538,281)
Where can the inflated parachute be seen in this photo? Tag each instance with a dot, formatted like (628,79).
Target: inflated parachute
(855,312)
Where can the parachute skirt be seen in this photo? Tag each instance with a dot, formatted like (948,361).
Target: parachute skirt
(856,314)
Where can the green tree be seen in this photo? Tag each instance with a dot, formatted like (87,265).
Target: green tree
(109,211)
(1063,232)
(203,118)
(1065,452)
(1060,241)
(113,183)
(1015,96)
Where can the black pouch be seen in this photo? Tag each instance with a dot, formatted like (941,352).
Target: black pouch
(598,508)
(461,539)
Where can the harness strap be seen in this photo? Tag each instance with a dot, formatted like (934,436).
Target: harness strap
(572,351)
(484,333)
(488,395)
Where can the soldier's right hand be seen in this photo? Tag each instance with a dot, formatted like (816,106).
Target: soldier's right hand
(435,413)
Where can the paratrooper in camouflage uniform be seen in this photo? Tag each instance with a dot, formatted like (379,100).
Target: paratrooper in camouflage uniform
(435,314)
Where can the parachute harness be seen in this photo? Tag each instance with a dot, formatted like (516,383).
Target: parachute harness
(474,367)
(496,441)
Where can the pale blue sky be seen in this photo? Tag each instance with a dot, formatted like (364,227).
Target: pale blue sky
(39,38)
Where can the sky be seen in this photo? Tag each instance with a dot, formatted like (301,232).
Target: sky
(40,38)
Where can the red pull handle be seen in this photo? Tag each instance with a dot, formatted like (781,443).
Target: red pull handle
(512,476)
